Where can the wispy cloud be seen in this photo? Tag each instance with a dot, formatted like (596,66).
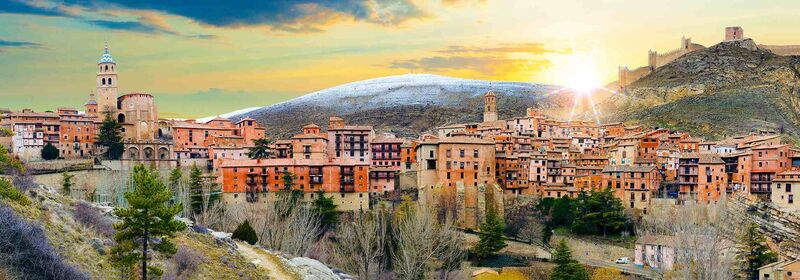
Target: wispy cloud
(18,44)
(287,15)
(29,8)
(489,60)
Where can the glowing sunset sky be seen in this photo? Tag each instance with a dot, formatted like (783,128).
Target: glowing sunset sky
(209,58)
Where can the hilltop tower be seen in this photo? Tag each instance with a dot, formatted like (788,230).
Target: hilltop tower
(106,83)
(734,33)
(489,107)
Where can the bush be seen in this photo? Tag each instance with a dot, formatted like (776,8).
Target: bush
(23,181)
(89,217)
(186,261)
(7,191)
(49,152)
(245,232)
(26,253)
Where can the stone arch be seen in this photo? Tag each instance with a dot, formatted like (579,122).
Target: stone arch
(160,133)
(163,153)
(121,118)
(133,153)
(148,153)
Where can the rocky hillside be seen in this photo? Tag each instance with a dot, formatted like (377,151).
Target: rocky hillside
(407,105)
(730,88)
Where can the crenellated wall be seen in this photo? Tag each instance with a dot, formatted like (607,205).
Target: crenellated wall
(654,61)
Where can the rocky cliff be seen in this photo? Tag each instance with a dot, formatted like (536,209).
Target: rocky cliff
(730,88)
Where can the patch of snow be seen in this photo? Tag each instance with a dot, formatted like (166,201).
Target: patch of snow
(229,114)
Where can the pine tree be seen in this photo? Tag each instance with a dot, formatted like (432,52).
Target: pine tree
(491,236)
(49,152)
(246,233)
(8,163)
(110,136)
(566,267)
(598,212)
(196,187)
(67,183)
(326,209)
(260,148)
(754,251)
(175,177)
(147,219)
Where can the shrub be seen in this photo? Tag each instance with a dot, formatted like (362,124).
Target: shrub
(7,191)
(245,232)
(49,152)
(186,261)
(26,253)
(23,180)
(89,217)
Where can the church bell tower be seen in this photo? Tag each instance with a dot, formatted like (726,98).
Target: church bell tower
(489,107)
(107,83)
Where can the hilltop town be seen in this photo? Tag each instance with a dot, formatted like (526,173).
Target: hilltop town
(471,169)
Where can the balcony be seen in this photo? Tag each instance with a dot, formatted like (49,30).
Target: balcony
(347,180)
(347,189)
(760,189)
(315,179)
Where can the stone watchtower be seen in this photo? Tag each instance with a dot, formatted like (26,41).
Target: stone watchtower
(734,33)
(107,83)
(489,107)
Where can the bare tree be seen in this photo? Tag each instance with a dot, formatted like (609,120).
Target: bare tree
(361,243)
(704,239)
(425,245)
(289,226)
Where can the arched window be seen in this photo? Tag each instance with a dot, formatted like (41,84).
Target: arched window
(121,118)
(104,81)
(109,81)
(106,67)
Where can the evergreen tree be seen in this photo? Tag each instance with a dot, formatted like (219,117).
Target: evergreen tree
(246,233)
(196,189)
(147,220)
(49,152)
(175,177)
(110,136)
(491,236)
(598,212)
(754,251)
(566,267)
(260,148)
(326,209)
(67,183)
(288,186)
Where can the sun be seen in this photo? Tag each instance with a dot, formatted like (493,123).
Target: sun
(583,80)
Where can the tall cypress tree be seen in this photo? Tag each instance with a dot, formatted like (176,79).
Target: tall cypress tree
(196,186)
(147,220)
(110,136)
(326,209)
(67,183)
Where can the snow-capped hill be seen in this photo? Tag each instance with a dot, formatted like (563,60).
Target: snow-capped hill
(387,101)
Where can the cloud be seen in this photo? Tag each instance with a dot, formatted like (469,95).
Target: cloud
(27,8)
(18,44)
(486,65)
(284,15)
(133,26)
(528,48)
(488,60)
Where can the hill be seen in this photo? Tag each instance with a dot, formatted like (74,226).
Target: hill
(730,88)
(407,105)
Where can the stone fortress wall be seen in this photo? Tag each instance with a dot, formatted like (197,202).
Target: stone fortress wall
(626,76)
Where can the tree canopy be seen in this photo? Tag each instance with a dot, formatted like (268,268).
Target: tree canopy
(110,136)
(49,152)
(566,267)
(148,219)
(260,148)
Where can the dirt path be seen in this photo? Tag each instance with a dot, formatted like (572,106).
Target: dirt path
(265,260)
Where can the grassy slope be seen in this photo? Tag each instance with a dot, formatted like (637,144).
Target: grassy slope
(73,242)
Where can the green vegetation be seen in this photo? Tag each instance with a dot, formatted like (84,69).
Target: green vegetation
(754,252)
(8,192)
(148,216)
(49,152)
(8,163)
(592,213)
(566,267)
(491,236)
(260,148)
(246,233)
(110,136)
(326,209)
(5,132)
(67,182)
(174,179)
